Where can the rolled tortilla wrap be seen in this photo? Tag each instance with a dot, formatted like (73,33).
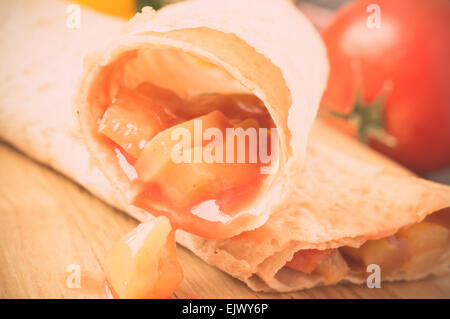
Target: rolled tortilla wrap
(164,48)
(344,195)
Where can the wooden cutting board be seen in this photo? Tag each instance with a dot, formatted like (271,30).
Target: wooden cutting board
(48,223)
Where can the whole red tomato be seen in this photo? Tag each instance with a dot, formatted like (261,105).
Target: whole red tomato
(391,76)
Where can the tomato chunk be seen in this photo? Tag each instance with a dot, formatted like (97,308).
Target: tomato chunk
(199,193)
(144,263)
(168,99)
(163,149)
(132,120)
(306,260)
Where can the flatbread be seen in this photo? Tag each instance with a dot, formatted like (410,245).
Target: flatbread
(341,194)
(158,47)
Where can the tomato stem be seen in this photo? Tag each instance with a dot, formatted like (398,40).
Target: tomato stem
(368,119)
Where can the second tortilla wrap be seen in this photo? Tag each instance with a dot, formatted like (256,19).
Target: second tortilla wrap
(337,199)
(347,195)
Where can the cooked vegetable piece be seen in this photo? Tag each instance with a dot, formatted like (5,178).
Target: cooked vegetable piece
(388,253)
(132,120)
(306,260)
(333,268)
(168,99)
(161,151)
(207,191)
(425,243)
(144,263)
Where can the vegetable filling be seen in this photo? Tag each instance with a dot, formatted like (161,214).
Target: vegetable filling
(198,160)
(411,250)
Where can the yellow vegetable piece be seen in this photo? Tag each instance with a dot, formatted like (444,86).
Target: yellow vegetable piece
(132,120)
(333,268)
(121,8)
(386,253)
(413,249)
(426,242)
(144,263)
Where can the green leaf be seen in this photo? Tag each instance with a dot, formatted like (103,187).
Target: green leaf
(155,4)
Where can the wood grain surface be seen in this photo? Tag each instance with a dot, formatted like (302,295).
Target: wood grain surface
(47,223)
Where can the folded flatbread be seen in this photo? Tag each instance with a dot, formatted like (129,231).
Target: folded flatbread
(329,193)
